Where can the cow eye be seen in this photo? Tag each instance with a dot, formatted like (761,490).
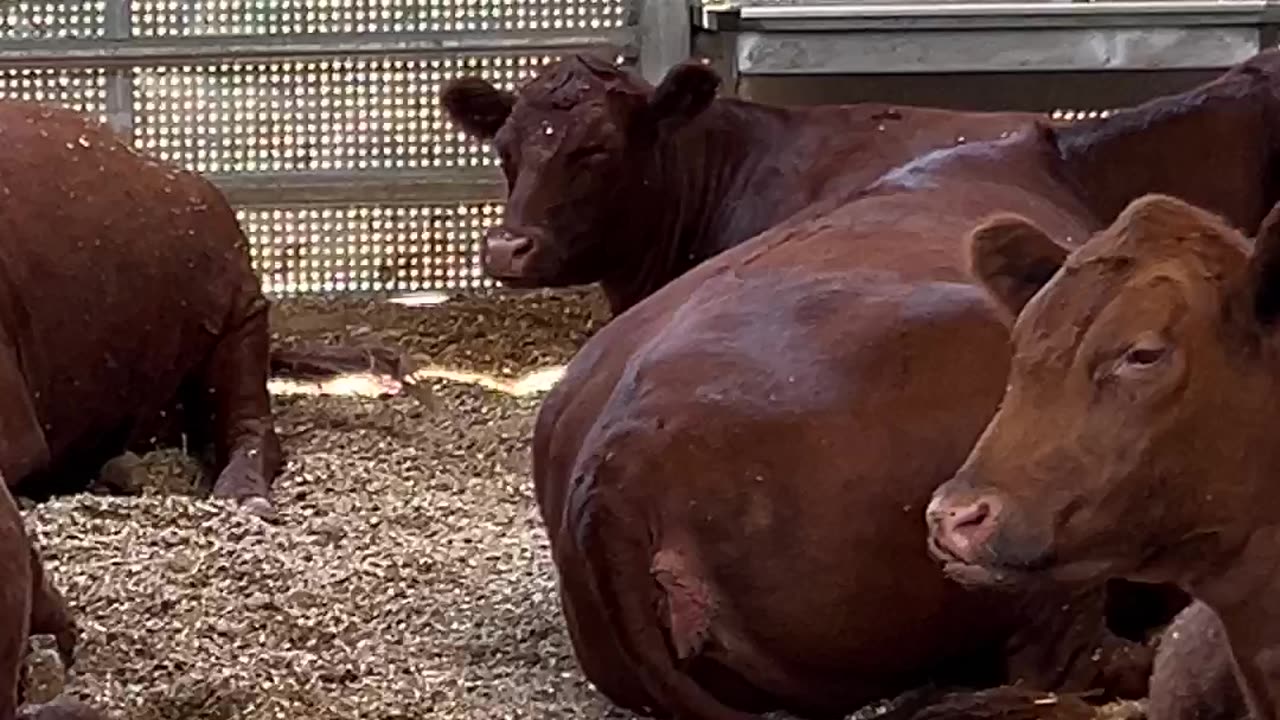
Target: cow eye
(1144,355)
(1141,355)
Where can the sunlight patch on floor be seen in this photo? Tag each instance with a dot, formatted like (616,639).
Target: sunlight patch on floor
(353,384)
(532,383)
(420,299)
(375,385)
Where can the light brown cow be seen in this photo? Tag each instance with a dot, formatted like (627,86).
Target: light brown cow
(1136,436)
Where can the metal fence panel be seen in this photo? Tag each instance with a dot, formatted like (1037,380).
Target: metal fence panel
(318,118)
(363,248)
(339,114)
(53,19)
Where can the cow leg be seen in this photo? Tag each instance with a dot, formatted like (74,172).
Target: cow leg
(237,402)
(13,651)
(1195,675)
(15,603)
(49,612)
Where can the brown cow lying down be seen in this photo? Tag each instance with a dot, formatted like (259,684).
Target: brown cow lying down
(29,605)
(733,472)
(611,180)
(1136,436)
(127,300)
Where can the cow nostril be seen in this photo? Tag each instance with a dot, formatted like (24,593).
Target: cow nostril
(521,246)
(971,517)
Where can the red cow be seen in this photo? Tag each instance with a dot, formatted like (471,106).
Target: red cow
(1135,437)
(614,181)
(732,473)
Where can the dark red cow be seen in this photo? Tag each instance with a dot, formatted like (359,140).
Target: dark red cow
(29,605)
(128,306)
(1135,438)
(611,180)
(733,472)
(125,286)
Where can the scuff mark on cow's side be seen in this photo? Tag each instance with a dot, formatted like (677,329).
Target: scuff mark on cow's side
(688,602)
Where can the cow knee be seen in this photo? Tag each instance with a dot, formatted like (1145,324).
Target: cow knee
(1194,675)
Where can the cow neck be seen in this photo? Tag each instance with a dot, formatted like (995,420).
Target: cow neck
(1208,146)
(692,198)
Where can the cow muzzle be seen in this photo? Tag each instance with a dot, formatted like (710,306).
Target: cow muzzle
(505,255)
(962,528)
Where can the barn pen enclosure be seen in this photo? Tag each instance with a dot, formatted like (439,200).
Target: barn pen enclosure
(406,575)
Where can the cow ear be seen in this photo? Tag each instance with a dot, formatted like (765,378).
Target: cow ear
(1263,276)
(687,90)
(1013,258)
(477,107)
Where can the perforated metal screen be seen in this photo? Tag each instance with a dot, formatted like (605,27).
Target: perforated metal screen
(331,114)
(281,115)
(1072,115)
(363,248)
(168,18)
(27,20)
(81,89)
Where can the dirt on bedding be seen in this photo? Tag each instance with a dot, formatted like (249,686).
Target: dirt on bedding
(407,576)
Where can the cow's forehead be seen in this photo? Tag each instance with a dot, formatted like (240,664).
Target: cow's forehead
(532,126)
(575,81)
(1117,260)
(1053,324)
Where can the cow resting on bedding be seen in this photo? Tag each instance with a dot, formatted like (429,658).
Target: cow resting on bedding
(1136,437)
(732,473)
(126,295)
(611,180)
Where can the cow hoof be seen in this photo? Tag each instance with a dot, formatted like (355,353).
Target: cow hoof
(65,642)
(258,506)
(45,676)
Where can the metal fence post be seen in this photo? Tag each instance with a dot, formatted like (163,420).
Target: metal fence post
(663,36)
(119,91)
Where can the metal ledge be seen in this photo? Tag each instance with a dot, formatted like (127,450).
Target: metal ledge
(1049,50)
(356,187)
(772,15)
(107,52)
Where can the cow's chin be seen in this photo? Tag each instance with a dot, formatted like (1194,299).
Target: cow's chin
(532,276)
(984,576)
(1058,572)
(518,282)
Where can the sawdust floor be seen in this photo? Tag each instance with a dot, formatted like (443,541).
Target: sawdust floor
(407,576)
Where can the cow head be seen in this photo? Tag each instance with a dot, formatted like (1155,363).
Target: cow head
(1141,406)
(573,145)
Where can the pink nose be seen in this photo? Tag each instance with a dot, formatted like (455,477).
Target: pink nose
(962,529)
(504,253)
